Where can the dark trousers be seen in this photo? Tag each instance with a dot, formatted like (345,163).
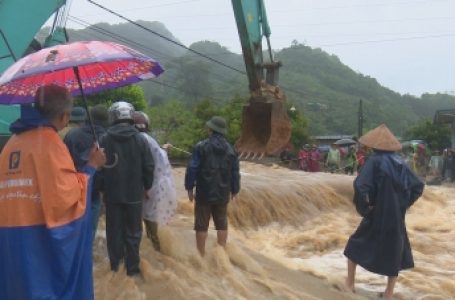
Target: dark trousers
(123,233)
(151,228)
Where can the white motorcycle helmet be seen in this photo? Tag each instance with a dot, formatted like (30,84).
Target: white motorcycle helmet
(121,111)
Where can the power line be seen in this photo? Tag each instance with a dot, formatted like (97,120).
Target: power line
(136,44)
(115,36)
(364,22)
(166,38)
(146,7)
(177,43)
(160,5)
(367,5)
(296,24)
(125,40)
(181,90)
(220,78)
(391,3)
(389,40)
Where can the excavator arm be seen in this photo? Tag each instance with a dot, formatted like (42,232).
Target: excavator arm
(20,21)
(266,128)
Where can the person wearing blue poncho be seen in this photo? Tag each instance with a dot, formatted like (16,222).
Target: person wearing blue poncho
(383,191)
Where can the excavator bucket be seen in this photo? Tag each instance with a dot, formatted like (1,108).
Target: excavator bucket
(266,128)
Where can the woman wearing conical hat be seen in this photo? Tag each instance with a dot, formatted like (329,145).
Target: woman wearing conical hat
(383,191)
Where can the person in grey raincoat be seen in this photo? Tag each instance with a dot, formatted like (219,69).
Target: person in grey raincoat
(383,192)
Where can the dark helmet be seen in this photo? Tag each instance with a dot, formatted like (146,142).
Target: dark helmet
(141,121)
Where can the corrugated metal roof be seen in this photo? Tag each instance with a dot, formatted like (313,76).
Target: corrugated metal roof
(444,116)
(331,137)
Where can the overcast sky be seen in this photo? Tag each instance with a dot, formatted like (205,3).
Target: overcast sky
(407,45)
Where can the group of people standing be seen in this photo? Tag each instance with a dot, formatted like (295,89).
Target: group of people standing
(125,183)
(47,186)
(51,189)
(338,159)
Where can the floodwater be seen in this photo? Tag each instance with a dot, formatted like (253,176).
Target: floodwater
(284,224)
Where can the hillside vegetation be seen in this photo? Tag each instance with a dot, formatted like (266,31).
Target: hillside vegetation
(316,83)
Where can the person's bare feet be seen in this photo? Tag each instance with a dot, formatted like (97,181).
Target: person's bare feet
(350,285)
(384,296)
(387,296)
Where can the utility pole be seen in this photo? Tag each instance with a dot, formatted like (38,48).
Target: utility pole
(360,120)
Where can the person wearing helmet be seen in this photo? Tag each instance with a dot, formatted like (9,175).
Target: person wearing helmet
(126,177)
(161,203)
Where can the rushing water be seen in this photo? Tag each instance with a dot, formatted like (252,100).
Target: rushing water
(284,221)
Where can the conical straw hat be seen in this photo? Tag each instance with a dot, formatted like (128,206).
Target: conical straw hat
(381,138)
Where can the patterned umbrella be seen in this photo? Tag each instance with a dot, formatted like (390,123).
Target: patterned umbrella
(100,66)
(82,67)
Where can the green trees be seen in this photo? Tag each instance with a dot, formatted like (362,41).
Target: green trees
(183,123)
(308,76)
(133,94)
(183,126)
(437,136)
(193,79)
(173,123)
(299,133)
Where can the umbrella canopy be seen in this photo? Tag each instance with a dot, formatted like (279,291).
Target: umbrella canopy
(345,142)
(101,65)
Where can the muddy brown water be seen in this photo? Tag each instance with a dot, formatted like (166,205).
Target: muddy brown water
(284,224)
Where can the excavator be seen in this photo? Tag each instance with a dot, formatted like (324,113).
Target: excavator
(266,128)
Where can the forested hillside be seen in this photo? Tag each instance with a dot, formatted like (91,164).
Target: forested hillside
(319,84)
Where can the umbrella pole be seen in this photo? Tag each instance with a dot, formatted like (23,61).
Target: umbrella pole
(84,100)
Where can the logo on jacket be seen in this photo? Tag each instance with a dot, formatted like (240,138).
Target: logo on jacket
(14,160)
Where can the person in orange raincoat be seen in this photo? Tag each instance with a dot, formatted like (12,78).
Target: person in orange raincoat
(45,226)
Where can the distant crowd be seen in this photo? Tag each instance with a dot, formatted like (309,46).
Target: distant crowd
(349,159)
(346,159)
